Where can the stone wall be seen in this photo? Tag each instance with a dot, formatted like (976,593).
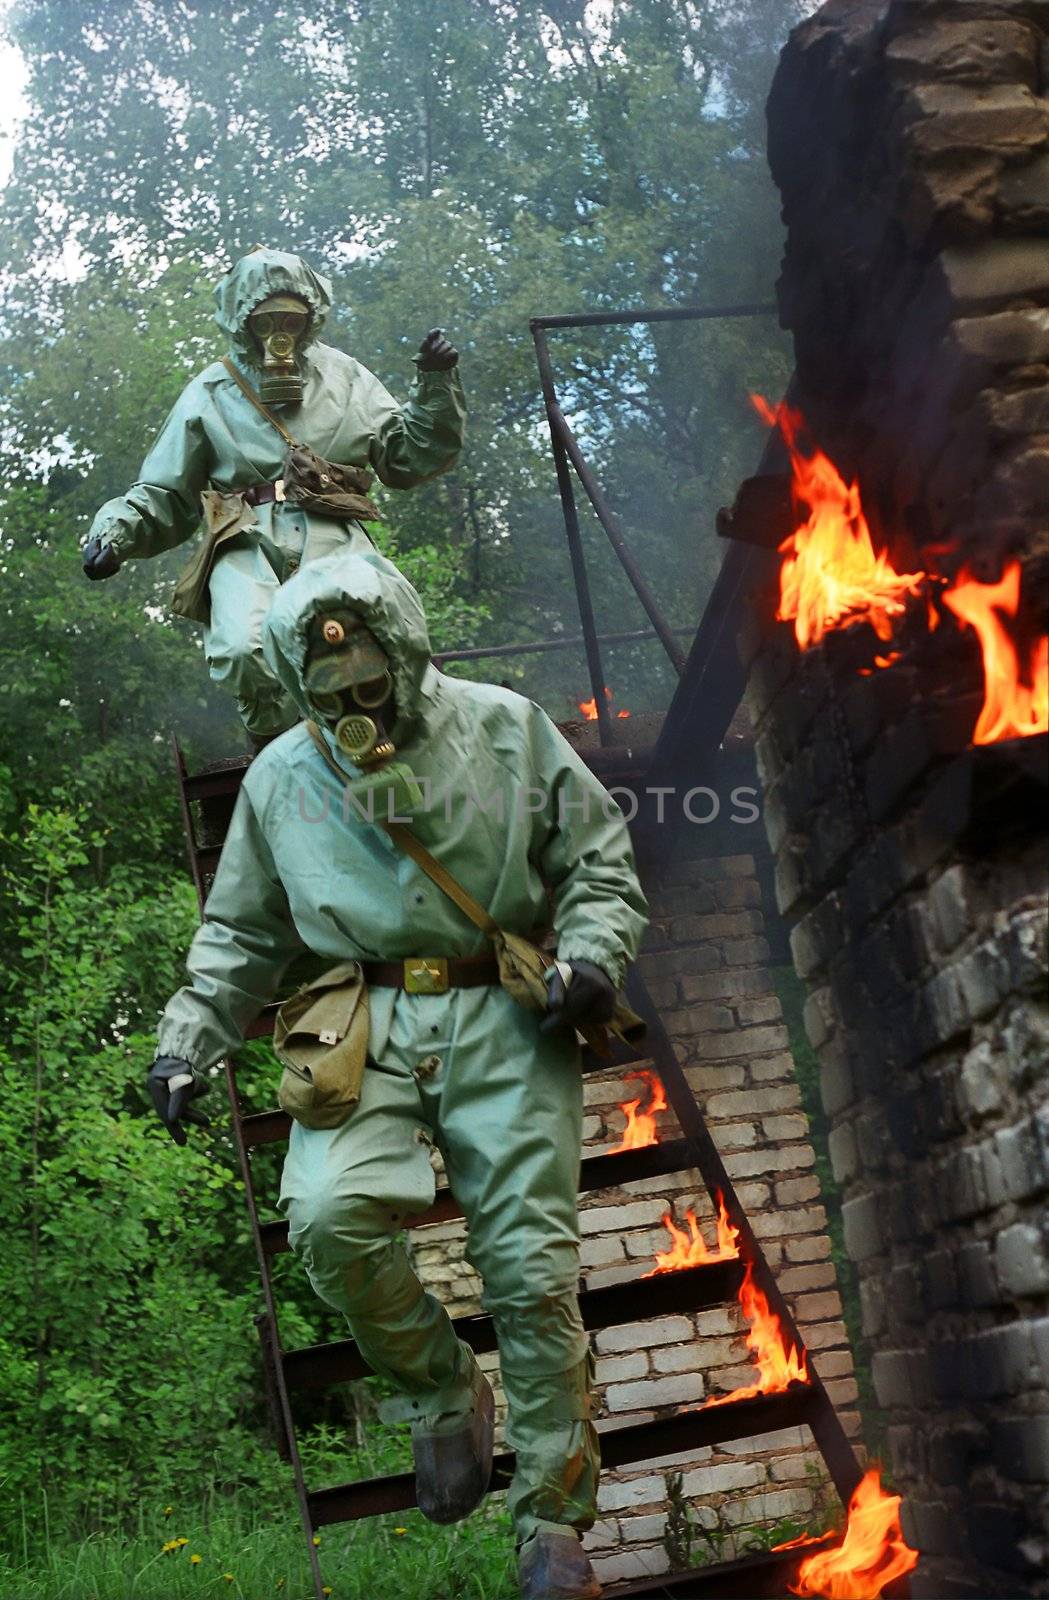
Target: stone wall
(706,962)
(911,145)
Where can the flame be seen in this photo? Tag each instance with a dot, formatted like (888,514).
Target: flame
(589,707)
(881,661)
(872,1554)
(777,1366)
(641,1126)
(690,1249)
(1016,694)
(831,575)
(831,578)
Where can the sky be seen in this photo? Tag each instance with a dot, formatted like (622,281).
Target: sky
(12,104)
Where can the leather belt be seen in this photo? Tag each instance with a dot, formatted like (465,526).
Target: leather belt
(260,494)
(432,974)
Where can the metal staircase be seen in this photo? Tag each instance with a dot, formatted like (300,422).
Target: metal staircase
(292,1372)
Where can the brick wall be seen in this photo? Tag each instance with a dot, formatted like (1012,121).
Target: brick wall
(910,141)
(706,962)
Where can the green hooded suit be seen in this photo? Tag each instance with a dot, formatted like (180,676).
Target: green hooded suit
(519,820)
(214,438)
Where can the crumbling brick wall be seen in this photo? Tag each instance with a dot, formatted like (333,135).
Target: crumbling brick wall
(910,141)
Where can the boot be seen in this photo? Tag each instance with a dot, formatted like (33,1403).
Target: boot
(552,1565)
(452,1452)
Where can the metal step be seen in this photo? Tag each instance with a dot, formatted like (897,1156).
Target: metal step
(620,1447)
(759,1577)
(692,1289)
(596,1172)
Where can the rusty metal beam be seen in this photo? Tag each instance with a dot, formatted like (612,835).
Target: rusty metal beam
(596,1172)
(759,1577)
(692,1289)
(612,319)
(575,541)
(620,1447)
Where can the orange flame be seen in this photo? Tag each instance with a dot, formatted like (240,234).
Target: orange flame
(589,707)
(872,1554)
(1016,695)
(777,1366)
(690,1249)
(641,1126)
(831,576)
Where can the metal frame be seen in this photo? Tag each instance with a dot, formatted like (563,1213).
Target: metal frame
(567,451)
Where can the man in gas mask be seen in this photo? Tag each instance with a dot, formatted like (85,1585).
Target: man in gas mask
(452,1056)
(275,490)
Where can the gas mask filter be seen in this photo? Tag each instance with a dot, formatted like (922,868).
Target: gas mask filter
(279,324)
(350,685)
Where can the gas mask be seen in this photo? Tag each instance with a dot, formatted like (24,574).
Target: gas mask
(278,325)
(350,686)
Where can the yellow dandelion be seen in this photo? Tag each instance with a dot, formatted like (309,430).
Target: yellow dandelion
(181,1542)
(195,1561)
(168,1510)
(168,1546)
(317,1540)
(228,1577)
(400,1531)
(327,1589)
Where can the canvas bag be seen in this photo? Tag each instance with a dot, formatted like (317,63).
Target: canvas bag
(320,1036)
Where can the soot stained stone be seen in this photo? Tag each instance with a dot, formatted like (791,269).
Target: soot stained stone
(955,1452)
(912,154)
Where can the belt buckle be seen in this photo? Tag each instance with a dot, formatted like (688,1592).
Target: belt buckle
(426,975)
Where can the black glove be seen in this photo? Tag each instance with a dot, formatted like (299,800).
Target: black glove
(436,354)
(589,999)
(174,1105)
(100,560)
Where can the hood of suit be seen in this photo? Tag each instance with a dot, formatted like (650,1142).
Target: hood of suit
(385,602)
(253,279)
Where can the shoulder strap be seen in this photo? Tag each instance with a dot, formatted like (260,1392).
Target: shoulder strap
(405,840)
(249,393)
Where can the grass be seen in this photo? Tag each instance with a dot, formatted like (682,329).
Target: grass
(251,1546)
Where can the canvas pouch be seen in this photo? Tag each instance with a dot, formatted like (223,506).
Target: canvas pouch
(320,1037)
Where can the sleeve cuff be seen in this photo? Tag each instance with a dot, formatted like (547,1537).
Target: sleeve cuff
(611,961)
(183,1047)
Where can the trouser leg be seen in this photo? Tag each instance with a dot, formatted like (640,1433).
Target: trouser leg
(241,590)
(346,1192)
(510,1128)
(242,586)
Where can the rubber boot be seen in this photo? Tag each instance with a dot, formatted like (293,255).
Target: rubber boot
(452,1450)
(552,1565)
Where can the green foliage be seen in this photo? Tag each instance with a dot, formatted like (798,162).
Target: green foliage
(112,1310)
(470,163)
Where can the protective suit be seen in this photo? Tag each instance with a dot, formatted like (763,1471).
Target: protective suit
(467,1069)
(214,439)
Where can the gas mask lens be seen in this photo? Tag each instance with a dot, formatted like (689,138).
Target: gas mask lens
(374,692)
(278,325)
(350,685)
(287,327)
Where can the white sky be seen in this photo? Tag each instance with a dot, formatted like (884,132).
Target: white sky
(12,104)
